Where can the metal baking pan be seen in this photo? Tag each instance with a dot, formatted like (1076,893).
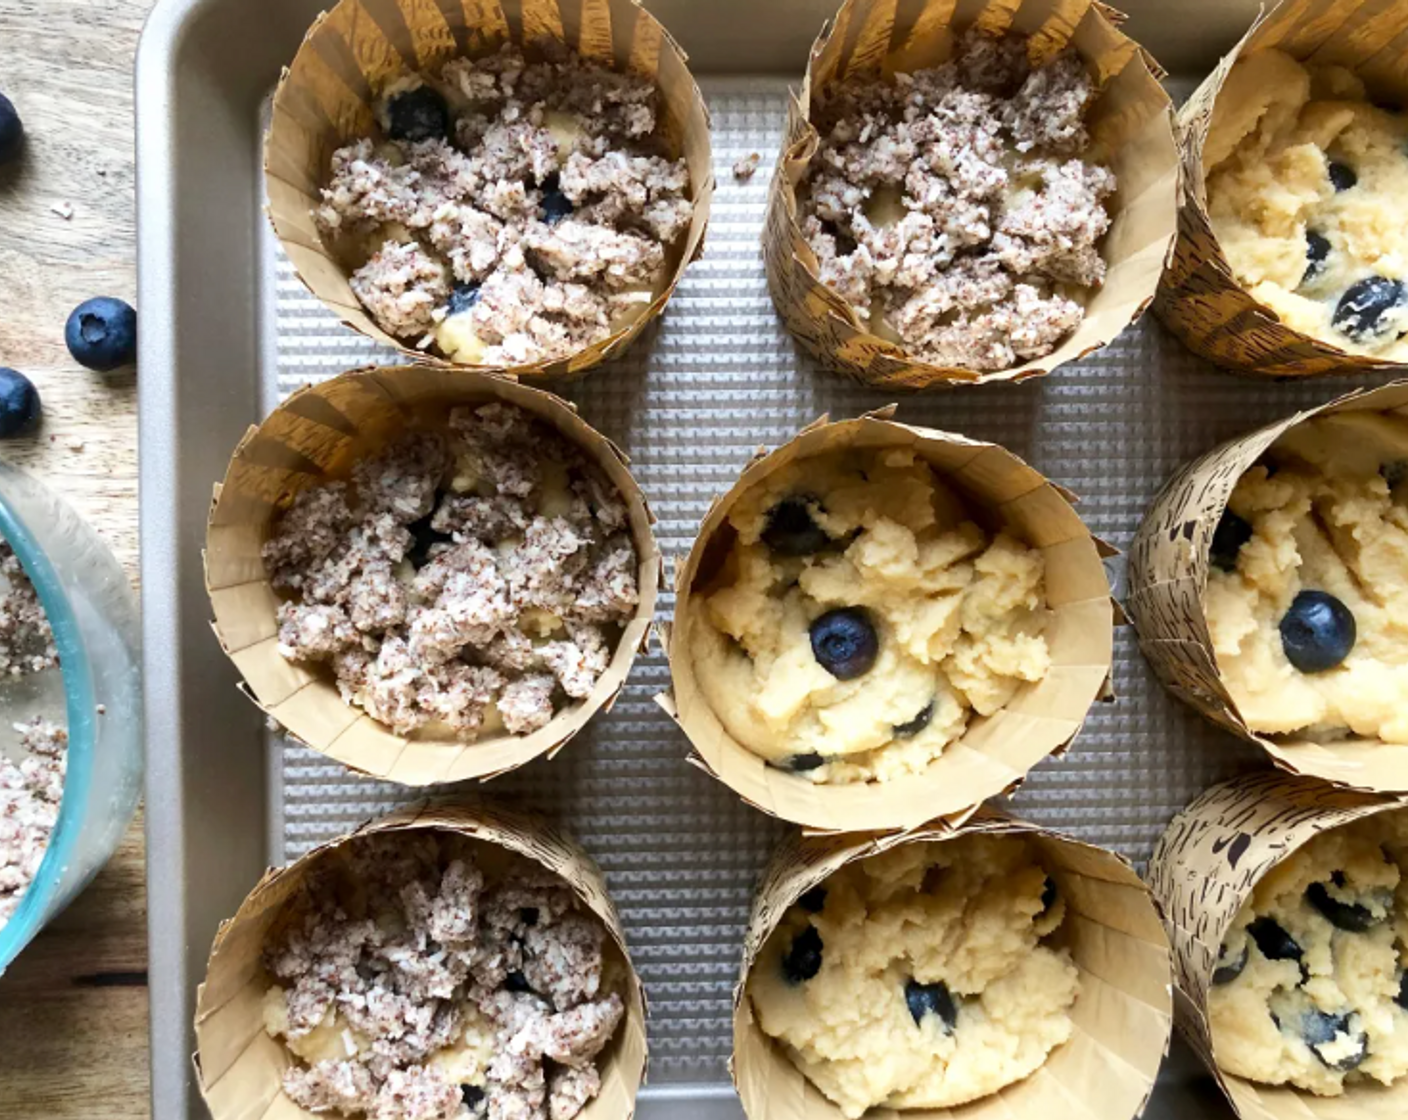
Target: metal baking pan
(227,329)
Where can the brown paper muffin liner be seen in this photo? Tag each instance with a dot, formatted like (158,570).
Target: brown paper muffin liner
(1123,1016)
(1200,300)
(316,435)
(325,100)
(240,1067)
(1203,870)
(1131,128)
(1168,574)
(995,752)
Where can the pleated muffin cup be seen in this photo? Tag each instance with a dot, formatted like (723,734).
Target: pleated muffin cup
(995,752)
(240,1067)
(1131,127)
(325,100)
(1167,578)
(1200,300)
(1204,869)
(315,436)
(1123,1016)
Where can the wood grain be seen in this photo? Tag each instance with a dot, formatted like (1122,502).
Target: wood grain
(73,1008)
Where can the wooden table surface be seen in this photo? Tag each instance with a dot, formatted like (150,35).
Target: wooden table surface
(73,1008)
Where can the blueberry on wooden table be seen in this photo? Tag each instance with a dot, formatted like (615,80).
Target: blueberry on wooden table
(1229,964)
(11,130)
(1273,941)
(844,642)
(19,403)
(790,530)
(1320,1028)
(803,960)
(931,999)
(417,114)
(1366,310)
(1317,251)
(1317,632)
(910,728)
(102,334)
(1231,534)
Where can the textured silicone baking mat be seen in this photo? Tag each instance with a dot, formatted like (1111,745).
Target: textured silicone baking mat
(690,404)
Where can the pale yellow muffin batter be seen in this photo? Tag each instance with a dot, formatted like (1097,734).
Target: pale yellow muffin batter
(1309,989)
(863,552)
(920,978)
(1326,512)
(1305,184)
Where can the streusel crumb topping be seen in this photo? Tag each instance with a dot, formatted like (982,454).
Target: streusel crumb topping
(413,984)
(511,211)
(474,579)
(952,207)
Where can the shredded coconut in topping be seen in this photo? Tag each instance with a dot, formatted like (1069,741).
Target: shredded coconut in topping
(471,580)
(951,207)
(528,232)
(410,986)
(30,793)
(26,641)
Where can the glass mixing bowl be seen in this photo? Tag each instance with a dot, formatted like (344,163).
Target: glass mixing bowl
(94,617)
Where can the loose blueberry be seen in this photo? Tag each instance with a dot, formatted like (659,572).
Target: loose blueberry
(555,204)
(423,538)
(917,724)
(1317,251)
(801,763)
(102,334)
(790,530)
(1342,176)
(517,982)
(1319,1028)
(803,960)
(417,114)
(1273,941)
(19,403)
(932,999)
(1402,997)
(1348,916)
(11,130)
(1229,967)
(463,297)
(1363,312)
(813,901)
(1231,534)
(844,643)
(1317,632)
(529,915)
(472,1095)
(1394,472)
(1048,894)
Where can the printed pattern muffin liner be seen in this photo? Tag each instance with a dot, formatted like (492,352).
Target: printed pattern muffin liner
(240,1067)
(1168,574)
(1131,128)
(326,99)
(316,435)
(1203,870)
(995,753)
(1199,299)
(1123,1016)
